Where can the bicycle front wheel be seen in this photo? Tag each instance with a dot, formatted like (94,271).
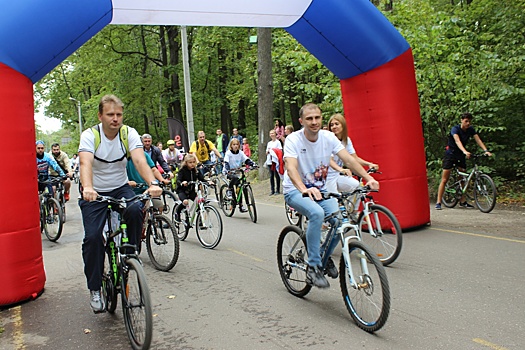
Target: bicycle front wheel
(162,243)
(381,231)
(136,306)
(367,298)
(53,220)
(227,203)
(182,227)
(250,202)
(292,258)
(209,227)
(451,194)
(485,193)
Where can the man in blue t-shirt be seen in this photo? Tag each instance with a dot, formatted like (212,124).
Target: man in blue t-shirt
(456,154)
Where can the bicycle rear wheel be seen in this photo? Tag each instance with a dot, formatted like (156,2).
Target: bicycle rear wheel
(227,204)
(485,193)
(250,202)
(451,194)
(291,260)
(381,231)
(136,305)
(368,299)
(291,215)
(53,220)
(209,227)
(109,289)
(162,243)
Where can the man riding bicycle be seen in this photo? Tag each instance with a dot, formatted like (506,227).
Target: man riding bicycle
(307,155)
(103,158)
(43,162)
(63,162)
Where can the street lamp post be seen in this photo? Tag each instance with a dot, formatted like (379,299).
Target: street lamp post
(79,114)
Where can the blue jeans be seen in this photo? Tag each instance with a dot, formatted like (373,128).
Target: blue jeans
(315,212)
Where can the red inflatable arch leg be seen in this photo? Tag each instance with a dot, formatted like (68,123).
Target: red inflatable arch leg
(21,265)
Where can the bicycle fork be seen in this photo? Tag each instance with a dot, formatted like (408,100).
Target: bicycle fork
(348,264)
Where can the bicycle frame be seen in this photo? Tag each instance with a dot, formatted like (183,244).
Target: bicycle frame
(198,203)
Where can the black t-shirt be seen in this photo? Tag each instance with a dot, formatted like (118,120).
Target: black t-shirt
(464,136)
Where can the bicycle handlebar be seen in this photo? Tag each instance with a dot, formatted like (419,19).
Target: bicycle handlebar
(121,201)
(358,190)
(244,168)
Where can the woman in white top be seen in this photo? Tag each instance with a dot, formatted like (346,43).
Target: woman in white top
(272,166)
(335,181)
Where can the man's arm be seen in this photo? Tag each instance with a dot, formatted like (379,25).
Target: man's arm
(162,162)
(460,145)
(52,162)
(86,175)
(139,160)
(357,169)
(482,145)
(292,168)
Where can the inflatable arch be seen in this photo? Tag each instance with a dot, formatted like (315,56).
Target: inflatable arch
(350,37)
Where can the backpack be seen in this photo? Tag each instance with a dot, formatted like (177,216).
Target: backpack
(205,143)
(123,134)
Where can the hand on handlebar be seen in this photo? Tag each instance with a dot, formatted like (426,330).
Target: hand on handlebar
(313,193)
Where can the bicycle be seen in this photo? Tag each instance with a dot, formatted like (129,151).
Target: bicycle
(168,197)
(216,177)
(51,223)
(124,274)
(228,202)
(484,187)
(159,234)
(362,277)
(59,194)
(206,219)
(292,215)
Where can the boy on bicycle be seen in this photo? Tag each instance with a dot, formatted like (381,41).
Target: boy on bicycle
(456,154)
(307,155)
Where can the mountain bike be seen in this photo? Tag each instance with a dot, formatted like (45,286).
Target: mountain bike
(159,234)
(458,184)
(124,275)
(169,199)
(217,178)
(51,223)
(204,217)
(362,277)
(228,202)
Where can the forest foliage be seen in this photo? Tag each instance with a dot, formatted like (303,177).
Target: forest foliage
(469,56)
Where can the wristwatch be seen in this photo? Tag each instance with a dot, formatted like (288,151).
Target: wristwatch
(154,183)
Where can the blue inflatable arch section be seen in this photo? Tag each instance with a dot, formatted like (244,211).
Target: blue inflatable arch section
(350,37)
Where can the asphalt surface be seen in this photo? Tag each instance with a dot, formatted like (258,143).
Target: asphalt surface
(458,284)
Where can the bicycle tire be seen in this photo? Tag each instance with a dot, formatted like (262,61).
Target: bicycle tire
(369,303)
(169,201)
(162,243)
(53,221)
(209,228)
(292,257)
(485,193)
(249,200)
(109,290)
(451,196)
(385,237)
(136,305)
(182,227)
(292,215)
(62,202)
(227,204)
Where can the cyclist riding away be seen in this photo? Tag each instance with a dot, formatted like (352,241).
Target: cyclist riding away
(456,153)
(307,155)
(63,162)
(103,152)
(234,159)
(43,162)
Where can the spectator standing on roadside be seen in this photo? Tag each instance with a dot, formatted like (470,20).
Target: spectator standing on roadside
(275,179)
(221,143)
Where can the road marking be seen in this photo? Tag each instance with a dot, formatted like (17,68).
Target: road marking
(488,344)
(479,235)
(18,336)
(246,255)
(272,205)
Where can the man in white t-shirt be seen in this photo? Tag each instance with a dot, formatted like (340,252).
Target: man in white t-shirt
(103,172)
(307,155)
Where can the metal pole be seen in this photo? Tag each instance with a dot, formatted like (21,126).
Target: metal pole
(187,84)
(79,110)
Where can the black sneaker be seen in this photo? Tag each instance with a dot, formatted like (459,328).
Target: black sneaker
(438,206)
(330,269)
(315,277)
(466,205)
(96,301)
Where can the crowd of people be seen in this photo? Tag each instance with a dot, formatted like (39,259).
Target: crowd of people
(113,158)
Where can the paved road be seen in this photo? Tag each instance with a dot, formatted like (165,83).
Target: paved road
(452,288)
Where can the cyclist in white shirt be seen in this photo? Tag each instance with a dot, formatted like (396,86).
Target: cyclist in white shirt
(307,155)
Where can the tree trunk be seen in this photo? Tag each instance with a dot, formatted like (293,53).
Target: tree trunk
(264,93)
(174,96)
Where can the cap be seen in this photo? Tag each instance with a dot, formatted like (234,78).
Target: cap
(40,142)
(170,142)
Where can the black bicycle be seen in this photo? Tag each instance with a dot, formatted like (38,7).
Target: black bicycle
(228,201)
(59,194)
(51,223)
(124,275)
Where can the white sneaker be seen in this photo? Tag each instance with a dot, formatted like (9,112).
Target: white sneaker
(97,302)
